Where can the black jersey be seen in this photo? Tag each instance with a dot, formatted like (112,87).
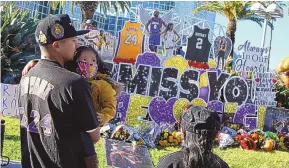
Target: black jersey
(198,45)
(55,107)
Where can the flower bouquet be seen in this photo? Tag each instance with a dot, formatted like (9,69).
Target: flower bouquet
(258,136)
(167,138)
(121,133)
(284,141)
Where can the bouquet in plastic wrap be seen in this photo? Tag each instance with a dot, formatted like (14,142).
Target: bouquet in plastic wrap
(258,136)
(269,144)
(149,131)
(246,142)
(225,140)
(127,134)
(169,136)
(230,131)
(271,135)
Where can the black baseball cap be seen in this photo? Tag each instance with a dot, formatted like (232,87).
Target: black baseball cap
(200,118)
(54,28)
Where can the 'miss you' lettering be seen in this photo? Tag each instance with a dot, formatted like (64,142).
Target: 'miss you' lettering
(165,83)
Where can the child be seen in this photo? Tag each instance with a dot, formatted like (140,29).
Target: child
(104,89)
(169,39)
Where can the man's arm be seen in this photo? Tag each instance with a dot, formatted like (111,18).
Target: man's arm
(84,111)
(147,25)
(94,134)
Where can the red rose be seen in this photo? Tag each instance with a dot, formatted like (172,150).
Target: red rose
(120,129)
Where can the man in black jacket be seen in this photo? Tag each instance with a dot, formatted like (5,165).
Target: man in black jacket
(55,105)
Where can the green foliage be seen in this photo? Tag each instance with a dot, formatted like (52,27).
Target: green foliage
(17,36)
(17,33)
(105,6)
(232,10)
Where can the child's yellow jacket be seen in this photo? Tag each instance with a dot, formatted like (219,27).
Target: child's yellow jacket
(104,98)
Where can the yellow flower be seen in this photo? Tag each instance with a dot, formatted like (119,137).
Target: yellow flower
(166,135)
(161,143)
(177,134)
(179,139)
(174,134)
(282,139)
(281,144)
(171,138)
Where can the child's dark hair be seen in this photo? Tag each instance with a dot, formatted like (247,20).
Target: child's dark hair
(73,65)
(168,26)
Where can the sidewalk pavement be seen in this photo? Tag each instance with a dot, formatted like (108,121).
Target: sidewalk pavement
(12,164)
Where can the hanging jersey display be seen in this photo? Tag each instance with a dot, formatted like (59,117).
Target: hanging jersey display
(198,46)
(130,43)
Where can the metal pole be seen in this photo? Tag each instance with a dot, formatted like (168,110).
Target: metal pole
(116,23)
(264,32)
(270,46)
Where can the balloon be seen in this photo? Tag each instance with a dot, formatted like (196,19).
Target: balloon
(285,79)
(283,65)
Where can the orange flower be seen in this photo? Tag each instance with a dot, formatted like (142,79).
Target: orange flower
(176,142)
(171,138)
(165,142)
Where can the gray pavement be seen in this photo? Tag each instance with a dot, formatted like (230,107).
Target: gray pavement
(12,164)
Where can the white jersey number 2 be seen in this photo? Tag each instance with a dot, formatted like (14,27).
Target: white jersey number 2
(131,38)
(199,43)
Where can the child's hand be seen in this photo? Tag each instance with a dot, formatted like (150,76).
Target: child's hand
(28,66)
(100,116)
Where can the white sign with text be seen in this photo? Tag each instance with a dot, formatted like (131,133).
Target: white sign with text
(264,94)
(9,102)
(253,59)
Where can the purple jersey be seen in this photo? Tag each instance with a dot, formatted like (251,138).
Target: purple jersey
(156,25)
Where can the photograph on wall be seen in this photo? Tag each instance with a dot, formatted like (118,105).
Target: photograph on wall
(222,49)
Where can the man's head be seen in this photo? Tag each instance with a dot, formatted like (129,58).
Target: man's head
(57,37)
(101,32)
(156,13)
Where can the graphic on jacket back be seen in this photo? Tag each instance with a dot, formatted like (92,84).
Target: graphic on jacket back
(130,43)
